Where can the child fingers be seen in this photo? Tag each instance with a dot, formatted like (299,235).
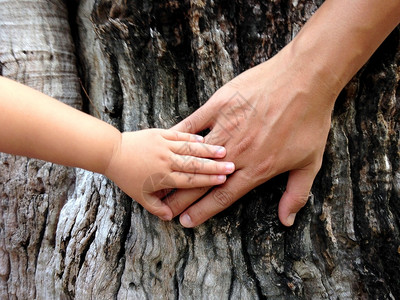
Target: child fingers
(190,180)
(174,135)
(198,149)
(196,165)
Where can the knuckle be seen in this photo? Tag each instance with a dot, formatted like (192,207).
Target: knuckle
(317,166)
(243,145)
(300,199)
(188,125)
(174,161)
(191,178)
(191,164)
(189,148)
(218,167)
(176,135)
(223,198)
(218,136)
(263,169)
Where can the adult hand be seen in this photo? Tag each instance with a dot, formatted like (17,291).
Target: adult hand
(271,119)
(275,117)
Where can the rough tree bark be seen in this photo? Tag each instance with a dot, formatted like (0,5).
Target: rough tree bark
(68,233)
(35,49)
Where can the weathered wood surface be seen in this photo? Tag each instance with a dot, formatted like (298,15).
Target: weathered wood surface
(36,49)
(151,63)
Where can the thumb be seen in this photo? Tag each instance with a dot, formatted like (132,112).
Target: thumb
(296,195)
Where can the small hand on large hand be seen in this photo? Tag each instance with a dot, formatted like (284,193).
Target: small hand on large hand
(147,164)
(271,119)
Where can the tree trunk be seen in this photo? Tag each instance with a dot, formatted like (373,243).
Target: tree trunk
(68,233)
(36,49)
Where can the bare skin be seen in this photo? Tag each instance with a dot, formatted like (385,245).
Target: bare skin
(38,126)
(282,121)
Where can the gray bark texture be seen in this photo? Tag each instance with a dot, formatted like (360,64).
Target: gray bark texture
(72,234)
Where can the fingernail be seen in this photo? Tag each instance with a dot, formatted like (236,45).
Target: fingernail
(221,151)
(199,138)
(230,167)
(221,178)
(290,219)
(186,221)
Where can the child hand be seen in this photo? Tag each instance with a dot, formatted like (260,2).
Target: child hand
(148,163)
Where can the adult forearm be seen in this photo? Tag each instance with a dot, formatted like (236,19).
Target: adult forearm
(341,36)
(37,126)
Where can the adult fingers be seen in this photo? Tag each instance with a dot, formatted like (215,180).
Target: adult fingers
(296,195)
(155,206)
(216,201)
(183,198)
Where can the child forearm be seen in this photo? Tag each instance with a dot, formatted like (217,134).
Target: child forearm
(38,126)
(144,164)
